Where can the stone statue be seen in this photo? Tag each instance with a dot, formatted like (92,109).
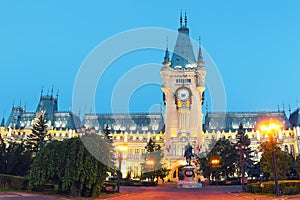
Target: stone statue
(188,153)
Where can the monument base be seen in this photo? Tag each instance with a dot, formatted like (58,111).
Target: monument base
(184,184)
(188,180)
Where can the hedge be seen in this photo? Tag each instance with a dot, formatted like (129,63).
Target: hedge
(13,182)
(286,187)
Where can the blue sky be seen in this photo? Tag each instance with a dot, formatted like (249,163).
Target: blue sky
(255,45)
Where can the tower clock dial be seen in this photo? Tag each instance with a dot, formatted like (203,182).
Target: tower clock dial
(183,94)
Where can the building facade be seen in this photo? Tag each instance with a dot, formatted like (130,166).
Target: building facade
(131,132)
(60,124)
(183,86)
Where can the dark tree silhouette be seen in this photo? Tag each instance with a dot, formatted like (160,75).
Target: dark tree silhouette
(39,136)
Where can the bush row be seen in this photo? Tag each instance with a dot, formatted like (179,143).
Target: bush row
(13,182)
(289,187)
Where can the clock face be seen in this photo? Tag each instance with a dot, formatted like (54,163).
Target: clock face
(183,94)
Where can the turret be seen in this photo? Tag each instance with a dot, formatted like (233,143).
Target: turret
(200,61)
(183,55)
(166,61)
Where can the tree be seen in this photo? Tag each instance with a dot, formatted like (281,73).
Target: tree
(204,167)
(2,155)
(39,136)
(153,167)
(254,170)
(224,150)
(297,165)
(107,133)
(69,164)
(283,159)
(18,159)
(15,159)
(152,146)
(244,162)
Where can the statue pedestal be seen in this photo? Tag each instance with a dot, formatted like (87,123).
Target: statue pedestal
(188,180)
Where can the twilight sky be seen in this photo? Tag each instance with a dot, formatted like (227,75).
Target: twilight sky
(254,44)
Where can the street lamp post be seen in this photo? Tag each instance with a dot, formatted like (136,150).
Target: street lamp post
(120,150)
(275,172)
(215,162)
(271,128)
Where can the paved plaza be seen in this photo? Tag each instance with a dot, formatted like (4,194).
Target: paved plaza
(170,192)
(162,192)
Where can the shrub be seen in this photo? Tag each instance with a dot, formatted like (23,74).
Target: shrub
(288,187)
(13,182)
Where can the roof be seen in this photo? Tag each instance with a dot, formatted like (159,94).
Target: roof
(14,117)
(20,119)
(47,105)
(183,54)
(231,120)
(295,118)
(132,122)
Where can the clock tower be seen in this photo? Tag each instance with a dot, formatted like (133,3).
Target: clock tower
(183,85)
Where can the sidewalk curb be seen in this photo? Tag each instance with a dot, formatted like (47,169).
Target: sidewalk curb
(261,197)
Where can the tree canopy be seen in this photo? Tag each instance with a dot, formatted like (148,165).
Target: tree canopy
(153,166)
(69,164)
(243,147)
(223,150)
(283,159)
(39,135)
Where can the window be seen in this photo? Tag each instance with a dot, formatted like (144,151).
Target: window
(136,156)
(175,150)
(136,153)
(183,80)
(130,154)
(136,171)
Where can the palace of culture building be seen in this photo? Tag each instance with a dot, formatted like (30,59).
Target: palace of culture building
(183,86)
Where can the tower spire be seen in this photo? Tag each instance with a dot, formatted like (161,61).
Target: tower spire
(180,18)
(42,90)
(183,54)
(200,57)
(185,19)
(2,122)
(167,56)
(52,91)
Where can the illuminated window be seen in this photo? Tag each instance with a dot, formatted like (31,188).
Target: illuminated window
(183,80)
